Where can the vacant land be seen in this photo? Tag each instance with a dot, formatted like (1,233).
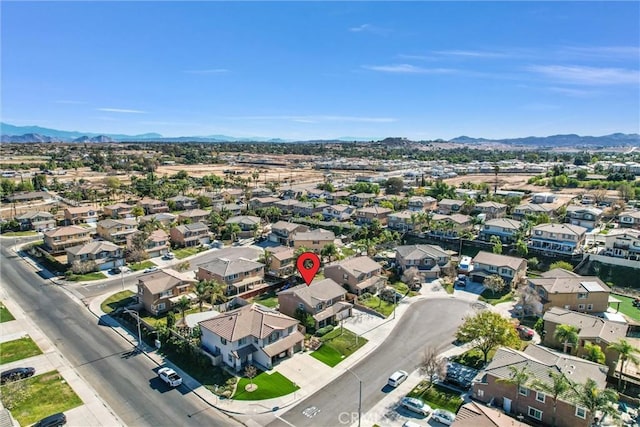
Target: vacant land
(19,349)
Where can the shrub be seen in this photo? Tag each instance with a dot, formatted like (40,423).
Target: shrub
(324,331)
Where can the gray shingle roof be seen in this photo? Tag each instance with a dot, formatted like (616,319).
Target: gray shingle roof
(413,252)
(93,248)
(589,326)
(318,291)
(225,267)
(498,260)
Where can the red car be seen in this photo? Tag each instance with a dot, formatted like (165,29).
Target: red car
(524,332)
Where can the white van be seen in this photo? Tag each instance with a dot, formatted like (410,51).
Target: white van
(397,378)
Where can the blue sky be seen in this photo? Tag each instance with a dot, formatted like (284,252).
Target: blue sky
(304,70)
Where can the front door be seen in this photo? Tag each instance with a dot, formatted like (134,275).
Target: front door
(506,405)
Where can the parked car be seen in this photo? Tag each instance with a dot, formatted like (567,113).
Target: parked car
(524,332)
(397,378)
(115,270)
(151,269)
(461,281)
(415,405)
(410,423)
(465,265)
(16,374)
(168,255)
(443,417)
(170,376)
(54,420)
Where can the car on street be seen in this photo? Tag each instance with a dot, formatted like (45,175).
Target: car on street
(54,420)
(443,417)
(16,374)
(151,269)
(525,332)
(170,376)
(397,378)
(415,405)
(461,281)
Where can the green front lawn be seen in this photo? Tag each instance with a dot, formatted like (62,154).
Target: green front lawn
(115,301)
(269,386)
(494,298)
(626,306)
(185,252)
(5,315)
(473,358)
(337,345)
(141,265)
(383,307)
(268,299)
(96,275)
(161,320)
(44,395)
(19,349)
(19,233)
(403,288)
(437,396)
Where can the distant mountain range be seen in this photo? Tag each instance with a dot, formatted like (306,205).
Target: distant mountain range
(11,133)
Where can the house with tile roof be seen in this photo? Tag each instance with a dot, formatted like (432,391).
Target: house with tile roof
(238,275)
(153,206)
(511,269)
(367,215)
(421,203)
(117,211)
(558,238)
(105,255)
(449,206)
(251,335)
(324,300)
(282,232)
(249,225)
(36,220)
(504,228)
(156,244)
(430,260)
(474,414)
(189,235)
(56,241)
(117,230)
(492,210)
(313,240)
(521,211)
(532,404)
(358,274)
(629,219)
(338,212)
(183,203)
(565,289)
(194,215)
(161,290)
(449,225)
(622,243)
(587,217)
(281,261)
(76,215)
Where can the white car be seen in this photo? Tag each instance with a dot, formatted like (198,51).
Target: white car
(151,269)
(443,417)
(397,378)
(415,405)
(170,376)
(465,265)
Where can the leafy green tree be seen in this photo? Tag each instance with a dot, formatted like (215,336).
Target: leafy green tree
(486,331)
(171,320)
(519,377)
(137,211)
(595,399)
(494,283)
(627,353)
(216,291)
(521,248)
(394,185)
(329,251)
(497,244)
(183,305)
(561,264)
(566,334)
(560,386)
(594,353)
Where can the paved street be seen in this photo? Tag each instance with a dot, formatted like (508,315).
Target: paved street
(127,382)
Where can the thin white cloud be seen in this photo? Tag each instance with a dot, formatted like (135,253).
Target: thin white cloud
(360,28)
(606,52)
(207,71)
(573,92)
(369,28)
(121,110)
(320,118)
(581,75)
(408,69)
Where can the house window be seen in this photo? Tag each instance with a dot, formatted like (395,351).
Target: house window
(300,306)
(535,413)
(523,391)
(223,341)
(583,295)
(540,397)
(242,341)
(160,306)
(589,306)
(230,357)
(580,306)
(480,393)
(581,412)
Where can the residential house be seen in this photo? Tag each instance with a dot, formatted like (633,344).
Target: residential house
(421,203)
(105,255)
(587,217)
(308,208)
(249,225)
(30,196)
(161,290)
(324,300)
(402,221)
(449,206)
(194,215)
(540,198)
(239,275)
(286,206)
(338,197)
(153,206)
(360,200)
(558,238)
(492,385)
(262,202)
(233,209)
(117,230)
(591,330)
(261,192)
(474,414)
(232,194)
(117,211)
(359,274)
(56,241)
(183,203)
(504,228)
(368,214)
(622,243)
(492,210)
(629,219)
(251,335)
(511,269)
(281,261)
(338,212)
(282,232)
(430,260)
(214,200)
(156,244)
(292,194)
(562,288)
(164,218)
(450,225)
(80,215)
(36,220)
(313,240)
(188,235)
(523,210)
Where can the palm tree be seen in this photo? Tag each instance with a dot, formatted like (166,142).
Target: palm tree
(329,251)
(560,386)
(566,334)
(518,377)
(183,304)
(216,291)
(627,352)
(594,353)
(202,293)
(594,399)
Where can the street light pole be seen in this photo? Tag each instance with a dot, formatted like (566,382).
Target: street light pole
(359,395)
(126,310)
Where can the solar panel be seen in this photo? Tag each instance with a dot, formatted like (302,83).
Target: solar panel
(591,286)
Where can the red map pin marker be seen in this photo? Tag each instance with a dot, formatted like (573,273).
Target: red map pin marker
(308,265)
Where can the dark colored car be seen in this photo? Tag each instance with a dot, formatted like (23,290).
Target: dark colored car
(115,270)
(54,420)
(525,333)
(16,374)
(461,281)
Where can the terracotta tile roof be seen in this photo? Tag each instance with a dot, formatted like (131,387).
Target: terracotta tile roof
(357,265)
(415,252)
(251,320)
(589,326)
(499,260)
(163,280)
(93,248)
(67,231)
(318,291)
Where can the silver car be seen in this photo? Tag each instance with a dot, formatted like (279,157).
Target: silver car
(415,405)
(443,417)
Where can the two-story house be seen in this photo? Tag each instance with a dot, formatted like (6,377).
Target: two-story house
(539,198)
(194,215)
(421,203)
(338,197)
(558,238)
(105,255)
(153,206)
(511,269)
(449,206)
(504,228)
(280,260)
(358,274)
(622,243)
(188,235)
(161,290)
(117,230)
(313,240)
(629,219)
(183,203)
(493,385)
(562,288)
(56,241)
(360,200)
(450,225)
(324,300)
(117,211)
(249,225)
(156,244)
(492,210)
(239,275)
(402,221)
(282,232)
(587,217)
(251,335)
(308,208)
(523,210)
(36,220)
(428,259)
(591,330)
(338,212)
(286,206)
(262,202)
(80,215)
(166,219)
(369,214)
